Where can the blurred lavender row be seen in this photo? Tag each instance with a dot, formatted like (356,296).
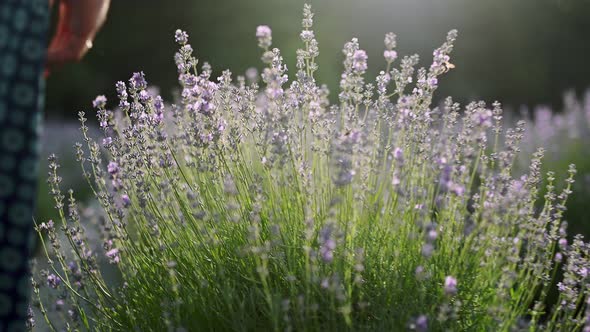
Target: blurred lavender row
(556,130)
(565,134)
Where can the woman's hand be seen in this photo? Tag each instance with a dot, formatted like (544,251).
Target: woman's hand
(79,21)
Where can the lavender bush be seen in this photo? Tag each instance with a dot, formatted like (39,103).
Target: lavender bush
(260,206)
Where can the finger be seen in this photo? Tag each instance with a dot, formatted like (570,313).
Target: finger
(59,40)
(71,49)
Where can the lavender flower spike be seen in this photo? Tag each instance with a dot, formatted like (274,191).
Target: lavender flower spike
(264,35)
(450,285)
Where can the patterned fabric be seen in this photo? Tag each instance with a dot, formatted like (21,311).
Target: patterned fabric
(23,33)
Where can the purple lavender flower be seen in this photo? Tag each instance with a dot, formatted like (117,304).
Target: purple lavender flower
(432,82)
(390,41)
(107,141)
(263,31)
(221,126)
(457,189)
(203,93)
(181,37)
(252,74)
(328,250)
(264,35)
(562,243)
(180,63)
(189,80)
(483,117)
(327,243)
(53,281)
(421,324)
(158,118)
(158,104)
(124,105)
(359,61)
(73,314)
(121,88)
(274,92)
(126,200)
(206,138)
(47,226)
(143,96)
(113,256)
(137,81)
(432,235)
(440,58)
(72,267)
(186,50)
(59,304)
(99,102)
(398,154)
(450,285)
(30,323)
(113,168)
(307,35)
(390,55)
(395,180)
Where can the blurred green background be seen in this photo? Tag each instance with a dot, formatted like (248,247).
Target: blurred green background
(524,52)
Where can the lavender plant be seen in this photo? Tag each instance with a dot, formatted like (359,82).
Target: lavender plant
(252,205)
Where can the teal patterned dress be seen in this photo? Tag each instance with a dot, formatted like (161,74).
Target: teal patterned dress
(23,45)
